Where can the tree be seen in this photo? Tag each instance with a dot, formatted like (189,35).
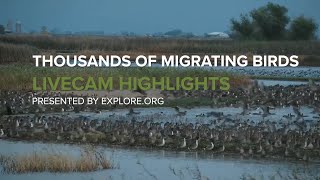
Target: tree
(271,20)
(267,22)
(2,30)
(175,32)
(244,27)
(303,28)
(44,30)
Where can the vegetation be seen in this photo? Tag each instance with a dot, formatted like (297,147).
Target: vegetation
(145,45)
(20,48)
(10,53)
(303,28)
(90,160)
(2,29)
(19,77)
(269,22)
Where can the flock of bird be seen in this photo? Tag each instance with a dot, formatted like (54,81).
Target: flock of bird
(297,138)
(19,102)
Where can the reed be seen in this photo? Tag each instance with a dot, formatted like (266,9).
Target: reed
(148,45)
(10,53)
(90,160)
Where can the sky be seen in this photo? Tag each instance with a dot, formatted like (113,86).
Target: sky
(139,16)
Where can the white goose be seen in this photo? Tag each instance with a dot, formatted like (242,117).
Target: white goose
(162,143)
(184,143)
(1,133)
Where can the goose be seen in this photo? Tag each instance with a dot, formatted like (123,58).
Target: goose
(132,140)
(250,151)
(305,157)
(241,151)
(270,148)
(184,143)
(84,139)
(163,142)
(260,149)
(132,112)
(46,127)
(309,146)
(298,154)
(113,138)
(1,133)
(195,146)
(210,147)
(59,137)
(286,152)
(71,137)
(17,123)
(112,115)
(222,149)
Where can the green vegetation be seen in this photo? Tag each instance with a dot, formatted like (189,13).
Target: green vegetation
(269,22)
(303,28)
(19,77)
(2,29)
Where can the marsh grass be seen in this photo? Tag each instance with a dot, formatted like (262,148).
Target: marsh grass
(56,162)
(21,48)
(162,45)
(19,77)
(10,53)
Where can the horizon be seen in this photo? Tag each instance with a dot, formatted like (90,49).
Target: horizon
(139,17)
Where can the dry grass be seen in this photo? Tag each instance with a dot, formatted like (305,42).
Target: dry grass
(21,48)
(16,53)
(90,160)
(163,45)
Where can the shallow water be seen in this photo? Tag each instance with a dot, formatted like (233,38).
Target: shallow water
(282,83)
(147,164)
(199,114)
(144,164)
(300,71)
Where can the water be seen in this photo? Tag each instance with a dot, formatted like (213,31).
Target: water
(144,164)
(198,114)
(300,71)
(158,164)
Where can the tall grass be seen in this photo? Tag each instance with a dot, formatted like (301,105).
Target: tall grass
(164,45)
(90,160)
(21,48)
(16,53)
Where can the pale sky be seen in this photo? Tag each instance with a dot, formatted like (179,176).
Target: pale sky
(139,16)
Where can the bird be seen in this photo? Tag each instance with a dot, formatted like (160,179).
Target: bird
(209,147)
(132,112)
(195,145)
(222,149)
(241,151)
(163,142)
(2,133)
(250,151)
(184,143)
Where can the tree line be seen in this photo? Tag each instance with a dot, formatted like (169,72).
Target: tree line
(271,22)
